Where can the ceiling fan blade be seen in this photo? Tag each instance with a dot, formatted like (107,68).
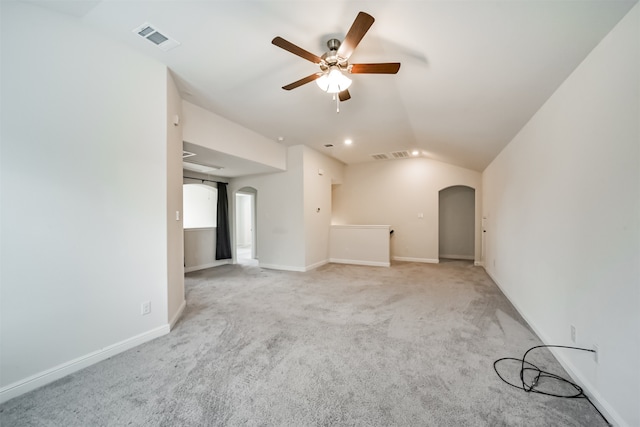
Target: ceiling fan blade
(344,95)
(301,82)
(383,68)
(358,29)
(288,46)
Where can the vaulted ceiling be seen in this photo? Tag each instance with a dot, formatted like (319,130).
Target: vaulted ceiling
(473,72)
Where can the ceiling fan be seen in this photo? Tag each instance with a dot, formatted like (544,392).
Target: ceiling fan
(334,63)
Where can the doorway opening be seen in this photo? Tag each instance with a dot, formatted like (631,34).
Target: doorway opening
(246,241)
(456,231)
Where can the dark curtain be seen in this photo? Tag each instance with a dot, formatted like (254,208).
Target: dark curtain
(223,242)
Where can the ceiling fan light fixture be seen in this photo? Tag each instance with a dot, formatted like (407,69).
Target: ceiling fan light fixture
(333,81)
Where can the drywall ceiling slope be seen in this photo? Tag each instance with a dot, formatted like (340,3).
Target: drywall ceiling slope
(473,72)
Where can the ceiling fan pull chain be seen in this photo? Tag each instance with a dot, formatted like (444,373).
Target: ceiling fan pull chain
(337,98)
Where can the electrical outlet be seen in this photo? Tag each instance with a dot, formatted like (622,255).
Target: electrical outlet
(595,353)
(573,334)
(146,308)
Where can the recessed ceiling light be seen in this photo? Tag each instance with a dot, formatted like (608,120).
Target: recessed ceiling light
(280,138)
(415,152)
(348,142)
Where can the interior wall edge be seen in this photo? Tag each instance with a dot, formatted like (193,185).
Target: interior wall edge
(177,315)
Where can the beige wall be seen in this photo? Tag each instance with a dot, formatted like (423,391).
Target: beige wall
(209,130)
(563,221)
(175,247)
(291,233)
(200,249)
(280,214)
(319,172)
(396,193)
(84,197)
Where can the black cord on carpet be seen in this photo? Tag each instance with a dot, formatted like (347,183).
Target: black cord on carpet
(539,373)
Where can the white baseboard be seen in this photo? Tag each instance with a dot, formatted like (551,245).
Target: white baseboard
(478,263)
(603,406)
(316,265)
(360,262)
(453,256)
(409,259)
(282,267)
(178,314)
(207,265)
(45,377)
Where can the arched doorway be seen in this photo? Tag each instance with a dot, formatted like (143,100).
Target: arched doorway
(456,227)
(245,225)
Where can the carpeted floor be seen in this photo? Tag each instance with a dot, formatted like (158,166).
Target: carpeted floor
(410,345)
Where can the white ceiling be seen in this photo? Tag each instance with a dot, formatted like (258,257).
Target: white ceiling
(473,72)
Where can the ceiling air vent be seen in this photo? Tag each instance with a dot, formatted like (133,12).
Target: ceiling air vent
(154,35)
(328,145)
(400,154)
(381,156)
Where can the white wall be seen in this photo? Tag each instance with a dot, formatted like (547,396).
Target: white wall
(84,197)
(360,244)
(209,130)
(175,242)
(319,172)
(396,192)
(243,219)
(200,205)
(280,217)
(562,208)
(291,233)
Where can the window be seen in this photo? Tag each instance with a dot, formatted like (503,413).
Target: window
(199,206)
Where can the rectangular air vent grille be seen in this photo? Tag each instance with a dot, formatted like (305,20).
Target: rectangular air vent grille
(400,154)
(157,38)
(380,156)
(154,35)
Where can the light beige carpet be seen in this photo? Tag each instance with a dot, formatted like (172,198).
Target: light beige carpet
(410,345)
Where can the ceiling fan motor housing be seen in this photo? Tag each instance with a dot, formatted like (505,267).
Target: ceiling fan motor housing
(331,57)
(335,61)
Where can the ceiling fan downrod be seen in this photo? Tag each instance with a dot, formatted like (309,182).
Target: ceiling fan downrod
(331,57)
(334,63)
